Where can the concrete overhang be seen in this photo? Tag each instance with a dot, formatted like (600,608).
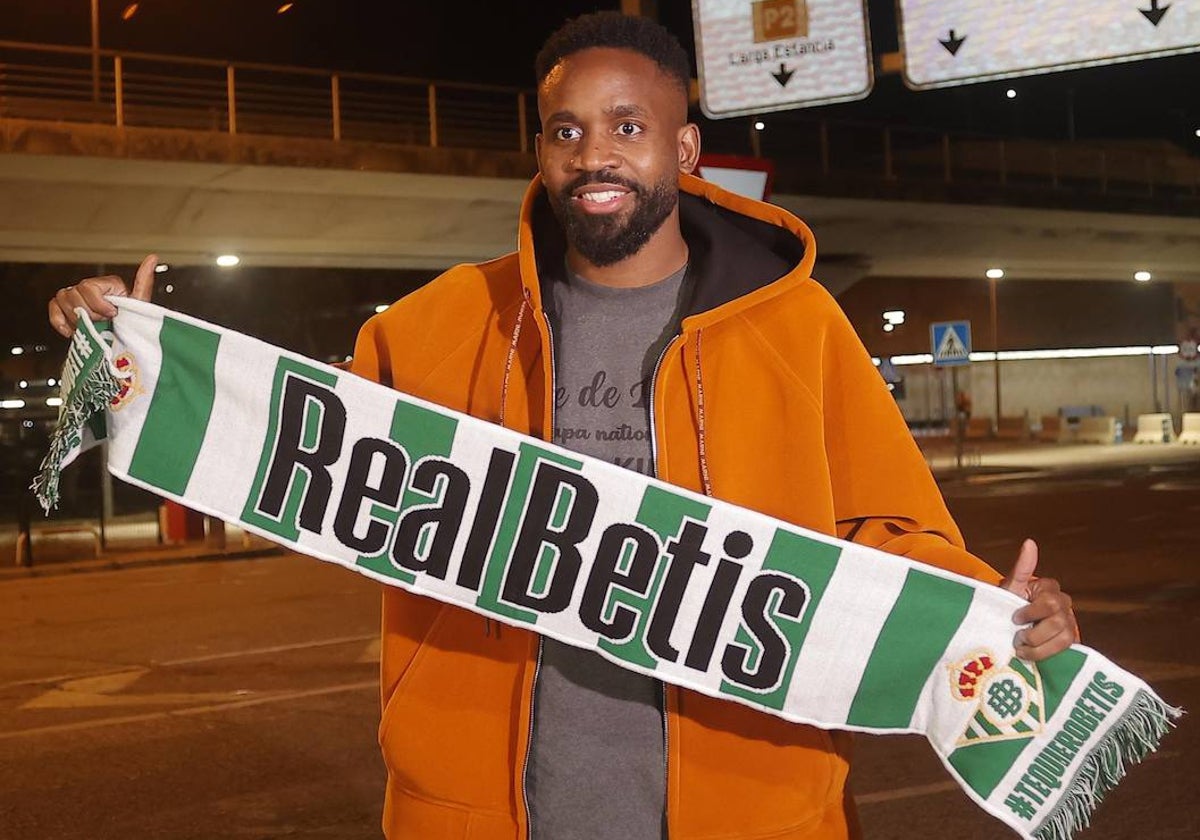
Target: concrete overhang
(88,202)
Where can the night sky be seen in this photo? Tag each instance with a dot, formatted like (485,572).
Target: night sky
(496,42)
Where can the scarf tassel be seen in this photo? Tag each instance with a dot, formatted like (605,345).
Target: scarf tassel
(1131,739)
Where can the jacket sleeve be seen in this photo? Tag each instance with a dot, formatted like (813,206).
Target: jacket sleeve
(884,494)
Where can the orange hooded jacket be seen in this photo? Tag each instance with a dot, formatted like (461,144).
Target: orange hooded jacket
(766,399)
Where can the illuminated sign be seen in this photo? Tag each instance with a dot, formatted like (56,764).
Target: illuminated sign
(956,42)
(771,55)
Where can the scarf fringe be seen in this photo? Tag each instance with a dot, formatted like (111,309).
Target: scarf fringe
(94,394)
(1130,740)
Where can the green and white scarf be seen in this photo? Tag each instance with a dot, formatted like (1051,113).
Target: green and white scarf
(658,579)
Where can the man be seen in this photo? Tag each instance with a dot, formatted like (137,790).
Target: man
(654,320)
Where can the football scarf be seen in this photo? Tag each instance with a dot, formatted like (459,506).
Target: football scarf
(660,580)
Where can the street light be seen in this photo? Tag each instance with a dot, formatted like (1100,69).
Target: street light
(993,275)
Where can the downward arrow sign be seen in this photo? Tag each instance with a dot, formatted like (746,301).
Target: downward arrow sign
(784,75)
(1155,13)
(952,43)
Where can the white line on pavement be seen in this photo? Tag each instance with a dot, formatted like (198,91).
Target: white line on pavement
(194,710)
(103,672)
(234,654)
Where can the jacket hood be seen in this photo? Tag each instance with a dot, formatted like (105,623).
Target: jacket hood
(740,251)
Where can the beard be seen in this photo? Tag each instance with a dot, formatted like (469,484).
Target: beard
(607,239)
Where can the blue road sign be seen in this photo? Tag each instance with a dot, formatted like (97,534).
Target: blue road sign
(951,342)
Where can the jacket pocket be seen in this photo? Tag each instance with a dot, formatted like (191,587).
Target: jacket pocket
(447,730)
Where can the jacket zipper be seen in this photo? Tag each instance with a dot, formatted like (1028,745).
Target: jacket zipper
(654,464)
(537,667)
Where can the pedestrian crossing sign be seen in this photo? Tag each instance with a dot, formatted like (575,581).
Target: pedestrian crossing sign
(951,341)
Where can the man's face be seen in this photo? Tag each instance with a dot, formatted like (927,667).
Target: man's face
(614,140)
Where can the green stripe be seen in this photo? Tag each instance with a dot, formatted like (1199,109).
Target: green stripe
(923,620)
(178,416)
(421,433)
(285,526)
(515,504)
(812,562)
(986,725)
(663,513)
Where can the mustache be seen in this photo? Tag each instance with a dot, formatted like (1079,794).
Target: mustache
(601,177)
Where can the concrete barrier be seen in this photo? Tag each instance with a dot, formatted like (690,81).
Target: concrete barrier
(1015,427)
(1155,428)
(1052,429)
(1191,429)
(1096,430)
(979,428)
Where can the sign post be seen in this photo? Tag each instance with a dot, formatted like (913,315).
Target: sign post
(950,343)
(956,42)
(772,55)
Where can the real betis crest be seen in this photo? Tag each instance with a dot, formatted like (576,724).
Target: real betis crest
(1008,699)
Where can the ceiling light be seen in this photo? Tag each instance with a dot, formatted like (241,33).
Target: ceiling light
(1010,93)
(228,260)
(889,327)
(759,125)
(54,402)
(52,382)
(995,274)
(161,268)
(12,403)
(381,307)
(17,351)
(23,384)
(169,288)
(130,11)
(286,7)
(1142,276)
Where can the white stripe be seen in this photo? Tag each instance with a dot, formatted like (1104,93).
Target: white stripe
(937,708)
(847,622)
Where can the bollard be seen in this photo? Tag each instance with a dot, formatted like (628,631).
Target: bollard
(24,532)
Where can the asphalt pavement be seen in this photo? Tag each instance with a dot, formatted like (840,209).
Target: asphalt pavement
(227,696)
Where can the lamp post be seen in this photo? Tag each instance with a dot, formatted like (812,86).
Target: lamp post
(994,275)
(95,50)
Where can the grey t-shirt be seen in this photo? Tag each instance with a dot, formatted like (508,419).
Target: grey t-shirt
(597,768)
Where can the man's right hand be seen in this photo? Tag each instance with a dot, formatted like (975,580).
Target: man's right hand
(90,293)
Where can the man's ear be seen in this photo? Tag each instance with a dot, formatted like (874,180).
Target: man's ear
(689,147)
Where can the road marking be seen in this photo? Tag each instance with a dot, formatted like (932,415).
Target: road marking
(995,543)
(105,691)
(59,678)
(194,710)
(234,654)
(1097,605)
(905,793)
(372,652)
(994,478)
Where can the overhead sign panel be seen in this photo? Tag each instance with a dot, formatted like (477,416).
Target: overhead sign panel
(955,42)
(756,56)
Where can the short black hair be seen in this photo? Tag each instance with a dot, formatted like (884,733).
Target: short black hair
(617,31)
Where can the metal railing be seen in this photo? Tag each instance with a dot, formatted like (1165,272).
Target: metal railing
(39,81)
(129,89)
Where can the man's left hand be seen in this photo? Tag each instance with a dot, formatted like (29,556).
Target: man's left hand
(1049,610)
